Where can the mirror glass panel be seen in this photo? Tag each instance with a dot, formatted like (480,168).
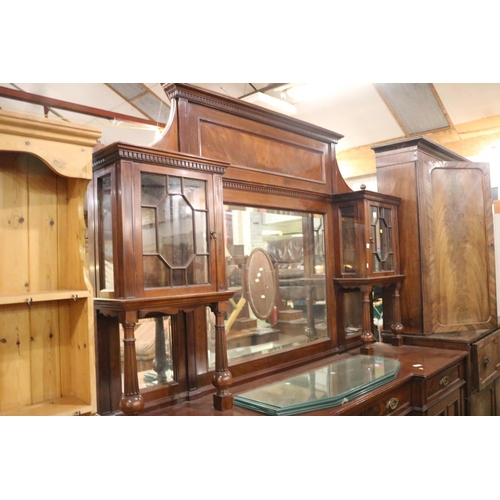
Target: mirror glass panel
(275,265)
(106,275)
(153,347)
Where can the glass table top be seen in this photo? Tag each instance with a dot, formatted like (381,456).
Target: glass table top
(330,385)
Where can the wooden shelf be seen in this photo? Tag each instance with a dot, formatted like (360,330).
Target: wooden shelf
(65,406)
(32,297)
(47,349)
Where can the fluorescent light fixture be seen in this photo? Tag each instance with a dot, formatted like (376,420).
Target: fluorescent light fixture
(269,102)
(271,232)
(297,92)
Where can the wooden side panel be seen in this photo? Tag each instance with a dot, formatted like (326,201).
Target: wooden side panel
(460,247)
(15,380)
(45,354)
(43,222)
(260,153)
(77,358)
(400,180)
(73,256)
(13,224)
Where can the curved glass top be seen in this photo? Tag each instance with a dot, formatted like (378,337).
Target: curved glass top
(330,385)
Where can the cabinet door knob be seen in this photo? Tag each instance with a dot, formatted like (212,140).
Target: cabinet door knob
(486,362)
(213,235)
(392,404)
(444,381)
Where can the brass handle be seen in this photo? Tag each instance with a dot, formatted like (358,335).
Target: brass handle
(486,362)
(392,404)
(444,381)
(213,235)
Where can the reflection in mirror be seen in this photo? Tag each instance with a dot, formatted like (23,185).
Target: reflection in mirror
(153,347)
(275,265)
(106,278)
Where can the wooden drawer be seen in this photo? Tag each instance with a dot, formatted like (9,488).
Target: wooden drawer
(441,382)
(451,405)
(427,391)
(396,402)
(485,355)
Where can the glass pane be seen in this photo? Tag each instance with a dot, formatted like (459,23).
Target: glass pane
(179,277)
(330,385)
(348,240)
(382,239)
(175,228)
(200,268)
(156,273)
(152,189)
(201,232)
(153,347)
(106,234)
(294,281)
(353,312)
(195,192)
(174,185)
(149,244)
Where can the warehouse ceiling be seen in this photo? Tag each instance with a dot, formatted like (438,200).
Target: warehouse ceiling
(364,113)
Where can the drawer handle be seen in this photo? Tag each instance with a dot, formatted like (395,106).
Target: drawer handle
(444,381)
(486,362)
(392,404)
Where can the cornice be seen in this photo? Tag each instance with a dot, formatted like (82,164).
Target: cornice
(250,111)
(122,152)
(269,190)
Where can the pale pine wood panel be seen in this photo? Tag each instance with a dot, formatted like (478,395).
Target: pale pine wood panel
(13,224)
(15,379)
(73,262)
(45,351)
(79,358)
(43,223)
(62,236)
(65,347)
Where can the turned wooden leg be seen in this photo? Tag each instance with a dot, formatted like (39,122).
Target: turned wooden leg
(222,378)
(367,337)
(131,402)
(397,327)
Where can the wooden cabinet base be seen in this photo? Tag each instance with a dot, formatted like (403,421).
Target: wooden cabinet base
(429,382)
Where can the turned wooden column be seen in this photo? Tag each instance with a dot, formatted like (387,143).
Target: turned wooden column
(131,402)
(367,337)
(221,378)
(396,326)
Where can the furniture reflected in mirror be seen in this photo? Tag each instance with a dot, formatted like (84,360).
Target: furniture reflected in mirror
(369,257)
(258,295)
(279,286)
(153,347)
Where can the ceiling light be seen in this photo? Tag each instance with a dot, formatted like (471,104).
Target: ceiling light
(297,92)
(269,102)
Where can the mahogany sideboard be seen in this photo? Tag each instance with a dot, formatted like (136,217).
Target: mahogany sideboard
(430,382)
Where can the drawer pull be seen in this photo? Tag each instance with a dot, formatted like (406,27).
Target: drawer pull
(392,404)
(444,381)
(486,362)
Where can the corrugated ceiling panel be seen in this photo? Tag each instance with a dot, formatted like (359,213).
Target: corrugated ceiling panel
(129,90)
(153,107)
(414,105)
